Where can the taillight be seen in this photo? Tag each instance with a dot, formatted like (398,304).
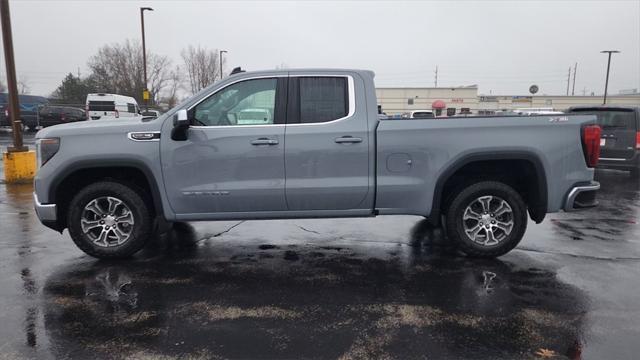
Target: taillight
(591,144)
(117,113)
(638,140)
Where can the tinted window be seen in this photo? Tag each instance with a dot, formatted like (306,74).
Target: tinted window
(610,119)
(323,99)
(249,102)
(131,108)
(102,106)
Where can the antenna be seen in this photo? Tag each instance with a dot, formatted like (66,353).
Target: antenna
(237,70)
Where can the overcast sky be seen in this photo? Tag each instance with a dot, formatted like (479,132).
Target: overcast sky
(503,46)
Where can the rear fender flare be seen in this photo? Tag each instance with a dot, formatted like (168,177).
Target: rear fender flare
(537,210)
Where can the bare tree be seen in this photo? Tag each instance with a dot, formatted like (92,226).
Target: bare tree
(176,82)
(118,68)
(201,65)
(23,85)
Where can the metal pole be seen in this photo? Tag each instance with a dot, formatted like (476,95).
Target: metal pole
(144,58)
(606,83)
(12,84)
(436,79)
(568,80)
(221,52)
(573,88)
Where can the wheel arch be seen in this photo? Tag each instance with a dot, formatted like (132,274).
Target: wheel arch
(537,204)
(85,172)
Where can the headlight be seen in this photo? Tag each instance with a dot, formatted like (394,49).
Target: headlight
(46,148)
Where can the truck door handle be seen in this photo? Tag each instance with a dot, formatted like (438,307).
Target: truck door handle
(348,140)
(264,141)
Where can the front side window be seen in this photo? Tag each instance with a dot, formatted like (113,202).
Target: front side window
(250,102)
(323,99)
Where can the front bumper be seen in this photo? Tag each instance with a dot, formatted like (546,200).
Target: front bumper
(582,196)
(47,213)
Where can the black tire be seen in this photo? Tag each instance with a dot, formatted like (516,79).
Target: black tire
(467,197)
(140,230)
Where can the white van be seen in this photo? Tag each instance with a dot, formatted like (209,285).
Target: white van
(111,105)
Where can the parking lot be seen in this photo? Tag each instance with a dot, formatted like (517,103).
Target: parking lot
(386,287)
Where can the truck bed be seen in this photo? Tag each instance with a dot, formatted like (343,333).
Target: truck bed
(416,154)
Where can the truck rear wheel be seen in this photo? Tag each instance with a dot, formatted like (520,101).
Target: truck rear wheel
(486,219)
(109,220)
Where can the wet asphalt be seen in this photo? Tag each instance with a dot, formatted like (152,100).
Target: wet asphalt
(378,288)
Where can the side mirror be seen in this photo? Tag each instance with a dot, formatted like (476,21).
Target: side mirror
(180,125)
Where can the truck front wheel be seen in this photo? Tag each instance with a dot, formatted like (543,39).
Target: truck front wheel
(109,220)
(486,219)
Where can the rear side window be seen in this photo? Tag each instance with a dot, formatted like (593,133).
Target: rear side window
(612,119)
(323,99)
(102,106)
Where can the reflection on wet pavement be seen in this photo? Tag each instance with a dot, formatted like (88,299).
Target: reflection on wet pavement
(389,287)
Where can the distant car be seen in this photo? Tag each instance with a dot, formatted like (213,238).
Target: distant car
(421,114)
(54,115)
(29,105)
(620,139)
(537,111)
(111,105)
(151,113)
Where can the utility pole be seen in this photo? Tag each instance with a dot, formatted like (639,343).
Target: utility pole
(573,88)
(221,52)
(568,80)
(606,83)
(12,83)
(145,92)
(436,80)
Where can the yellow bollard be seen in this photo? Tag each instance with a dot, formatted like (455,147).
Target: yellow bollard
(19,167)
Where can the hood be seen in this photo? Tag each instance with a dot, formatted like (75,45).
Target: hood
(106,126)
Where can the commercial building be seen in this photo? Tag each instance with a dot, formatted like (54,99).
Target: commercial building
(465,99)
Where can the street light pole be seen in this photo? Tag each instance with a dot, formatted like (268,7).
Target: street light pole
(12,88)
(145,93)
(221,52)
(606,83)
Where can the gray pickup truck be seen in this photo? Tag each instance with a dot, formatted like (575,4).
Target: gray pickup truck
(309,144)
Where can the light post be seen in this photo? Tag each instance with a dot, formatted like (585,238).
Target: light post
(606,83)
(145,92)
(221,52)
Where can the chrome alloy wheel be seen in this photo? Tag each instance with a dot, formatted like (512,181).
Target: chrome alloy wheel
(488,220)
(107,221)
